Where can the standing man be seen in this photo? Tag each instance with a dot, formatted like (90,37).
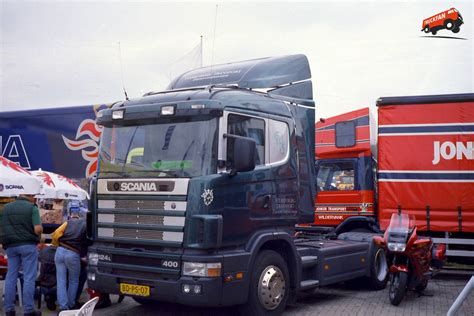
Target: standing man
(22,229)
(72,241)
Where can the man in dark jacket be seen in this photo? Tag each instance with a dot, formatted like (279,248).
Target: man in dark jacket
(72,242)
(21,228)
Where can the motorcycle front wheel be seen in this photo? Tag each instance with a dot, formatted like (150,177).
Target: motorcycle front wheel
(398,286)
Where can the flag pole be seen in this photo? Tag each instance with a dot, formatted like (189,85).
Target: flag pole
(201,50)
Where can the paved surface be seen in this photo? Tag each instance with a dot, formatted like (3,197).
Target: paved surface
(335,300)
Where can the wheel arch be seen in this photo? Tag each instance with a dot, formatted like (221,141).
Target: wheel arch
(356,223)
(281,243)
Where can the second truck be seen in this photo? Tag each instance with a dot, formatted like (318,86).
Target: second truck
(419,159)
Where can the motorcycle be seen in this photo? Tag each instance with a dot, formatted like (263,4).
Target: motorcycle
(412,260)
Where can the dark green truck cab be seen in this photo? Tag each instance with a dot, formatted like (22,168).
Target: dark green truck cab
(200,187)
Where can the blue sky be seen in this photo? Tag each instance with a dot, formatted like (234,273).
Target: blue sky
(57,53)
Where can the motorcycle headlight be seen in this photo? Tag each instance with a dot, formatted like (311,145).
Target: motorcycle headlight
(396,246)
(200,269)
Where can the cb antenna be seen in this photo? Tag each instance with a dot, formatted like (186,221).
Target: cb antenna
(121,72)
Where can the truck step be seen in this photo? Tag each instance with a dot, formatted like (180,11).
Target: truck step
(309,261)
(308,284)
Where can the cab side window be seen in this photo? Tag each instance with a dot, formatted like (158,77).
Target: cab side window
(337,176)
(249,127)
(279,138)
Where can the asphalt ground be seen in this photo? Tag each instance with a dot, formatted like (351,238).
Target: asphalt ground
(339,299)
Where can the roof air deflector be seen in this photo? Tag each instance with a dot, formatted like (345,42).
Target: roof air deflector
(261,73)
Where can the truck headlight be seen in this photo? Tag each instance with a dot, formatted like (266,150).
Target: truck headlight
(200,269)
(93,258)
(396,246)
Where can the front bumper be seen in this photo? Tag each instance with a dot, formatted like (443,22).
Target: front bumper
(214,291)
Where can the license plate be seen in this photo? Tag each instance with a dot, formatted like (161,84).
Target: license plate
(133,289)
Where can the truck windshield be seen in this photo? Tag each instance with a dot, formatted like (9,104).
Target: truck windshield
(177,149)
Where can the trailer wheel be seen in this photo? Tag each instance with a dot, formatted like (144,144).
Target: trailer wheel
(378,269)
(269,285)
(449,24)
(426,29)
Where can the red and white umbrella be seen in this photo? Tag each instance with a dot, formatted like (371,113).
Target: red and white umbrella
(14,180)
(56,186)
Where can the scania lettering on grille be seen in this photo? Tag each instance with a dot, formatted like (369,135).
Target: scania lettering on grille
(138,186)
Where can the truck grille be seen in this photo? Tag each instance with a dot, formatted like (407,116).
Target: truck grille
(138,219)
(139,204)
(151,220)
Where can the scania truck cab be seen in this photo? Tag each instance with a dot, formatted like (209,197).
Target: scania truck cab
(199,188)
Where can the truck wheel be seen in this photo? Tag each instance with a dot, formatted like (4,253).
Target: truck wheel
(378,269)
(398,287)
(269,285)
(434,32)
(449,24)
(456,29)
(426,29)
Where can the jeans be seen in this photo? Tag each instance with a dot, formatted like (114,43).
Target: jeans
(25,256)
(68,267)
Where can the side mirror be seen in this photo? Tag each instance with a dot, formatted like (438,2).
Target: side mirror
(241,153)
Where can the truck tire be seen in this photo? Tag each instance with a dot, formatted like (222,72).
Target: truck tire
(456,29)
(378,269)
(398,287)
(426,29)
(269,285)
(434,32)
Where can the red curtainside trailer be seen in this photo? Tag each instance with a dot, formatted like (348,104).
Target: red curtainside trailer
(424,166)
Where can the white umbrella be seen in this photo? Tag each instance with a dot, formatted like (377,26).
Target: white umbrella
(14,180)
(56,186)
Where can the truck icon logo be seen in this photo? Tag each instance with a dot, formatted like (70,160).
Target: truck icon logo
(450,20)
(207,197)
